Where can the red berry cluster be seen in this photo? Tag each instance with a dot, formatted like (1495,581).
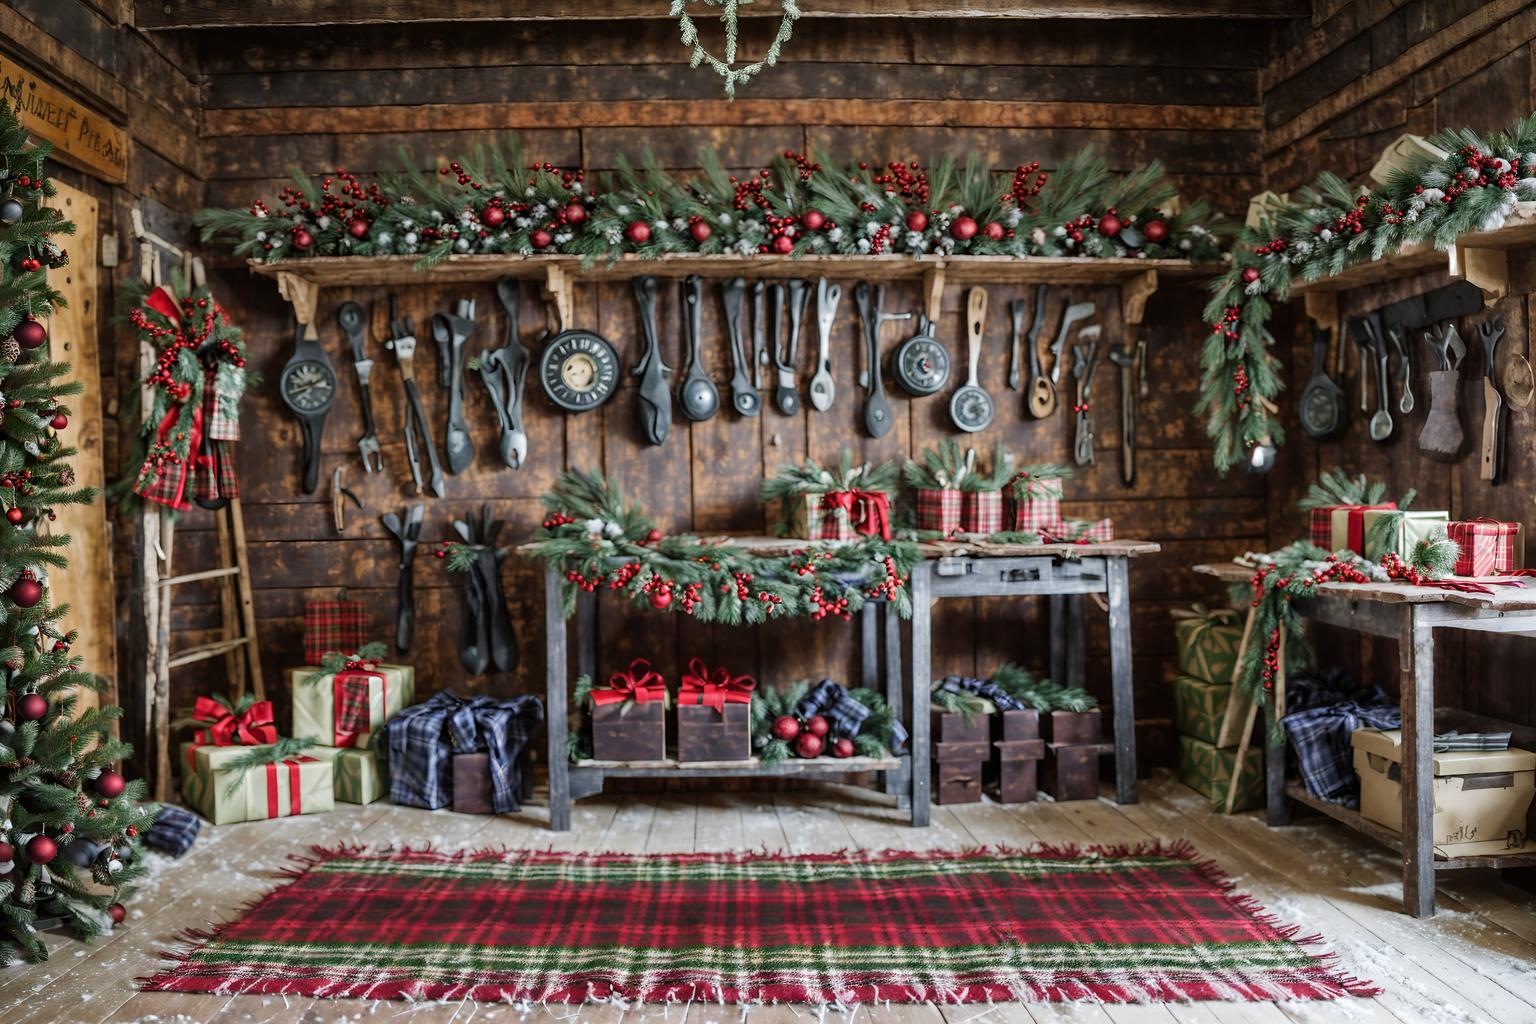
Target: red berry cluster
(625,573)
(804,166)
(1241,385)
(458,171)
(882,238)
(1229,317)
(1397,569)
(1257,583)
(908,180)
(892,582)
(19,481)
(1350,223)
(751,190)
(742,579)
(825,607)
(568,179)
(1075,227)
(1274,245)
(1028,180)
(160,455)
(1340,572)
(555,519)
(1272,658)
(583,582)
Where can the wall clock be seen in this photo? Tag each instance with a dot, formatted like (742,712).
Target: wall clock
(579,370)
(308,387)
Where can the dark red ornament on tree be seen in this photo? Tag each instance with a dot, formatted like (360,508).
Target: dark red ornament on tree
(41,849)
(117,912)
(302,239)
(652,535)
(575,213)
(638,232)
(994,231)
(661,599)
(814,220)
(26,592)
(842,747)
(1154,231)
(917,220)
(700,230)
(816,725)
(1250,275)
(808,744)
(539,238)
(59,421)
(110,784)
(358,228)
(7,852)
(31,707)
(30,333)
(1110,225)
(786,727)
(15,516)
(493,217)
(963,228)
(783,245)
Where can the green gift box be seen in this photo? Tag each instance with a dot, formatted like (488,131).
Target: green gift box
(1208,642)
(316,697)
(357,773)
(1401,531)
(302,784)
(1199,707)
(1204,768)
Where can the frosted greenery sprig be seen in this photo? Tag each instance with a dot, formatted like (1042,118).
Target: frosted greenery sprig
(730,15)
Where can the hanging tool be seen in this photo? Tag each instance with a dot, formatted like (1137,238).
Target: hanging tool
(1015,372)
(1085,362)
(655,394)
(1323,407)
(340,493)
(698,396)
(354,324)
(744,396)
(418,434)
(407,533)
(971,407)
(785,396)
(1376,349)
(504,372)
(1364,350)
(1519,382)
(878,418)
(1492,462)
(1442,434)
(1133,376)
(1405,403)
(451,331)
(1042,395)
(921,364)
(486,639)
(822,388)
(759,333)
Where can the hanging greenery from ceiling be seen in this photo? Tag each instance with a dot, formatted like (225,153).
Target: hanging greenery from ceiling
(729,16)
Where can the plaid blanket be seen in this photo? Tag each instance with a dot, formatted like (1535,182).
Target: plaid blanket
(420,742)
(173,832)
(1324,755)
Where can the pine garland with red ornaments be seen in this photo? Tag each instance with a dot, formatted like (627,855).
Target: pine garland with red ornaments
(497,200)
(59,783)
(1476,185)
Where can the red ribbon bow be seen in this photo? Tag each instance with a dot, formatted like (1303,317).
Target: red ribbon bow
(251,728)
(640,684)
(873,510)
(714,689)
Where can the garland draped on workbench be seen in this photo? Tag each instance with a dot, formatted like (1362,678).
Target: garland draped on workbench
(1327,227)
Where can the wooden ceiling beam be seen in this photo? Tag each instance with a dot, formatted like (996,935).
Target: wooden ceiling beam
(205,14)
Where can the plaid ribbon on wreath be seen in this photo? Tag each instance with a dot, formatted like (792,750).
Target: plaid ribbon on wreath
(845,715)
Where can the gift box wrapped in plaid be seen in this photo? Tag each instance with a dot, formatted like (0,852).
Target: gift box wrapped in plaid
(340,702)
(422,739)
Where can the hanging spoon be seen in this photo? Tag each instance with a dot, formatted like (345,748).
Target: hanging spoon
(822,389)
(700,397)
(1519,382)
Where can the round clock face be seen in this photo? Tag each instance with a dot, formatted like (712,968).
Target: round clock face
(922,366)
(579,370)
(308,386)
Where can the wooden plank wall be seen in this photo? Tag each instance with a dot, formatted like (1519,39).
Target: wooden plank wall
(1340,90)
(1017,91)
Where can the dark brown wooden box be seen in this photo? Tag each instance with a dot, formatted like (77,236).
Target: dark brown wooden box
(704,734)
(1019,748)
(472,783)
(1070,771)
(957,782)
(961,747)
(954,727)
(1073,727)
(630,732)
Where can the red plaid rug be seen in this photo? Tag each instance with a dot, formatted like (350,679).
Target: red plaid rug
(1151,924)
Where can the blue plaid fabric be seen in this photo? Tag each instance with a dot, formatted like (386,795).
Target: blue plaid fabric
(846,715)
(983,688)
(1324,755)
(1449,741)
(422,739)
(173,832)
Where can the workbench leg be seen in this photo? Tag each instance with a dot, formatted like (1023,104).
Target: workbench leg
(555,693)
(1119,597)
(586,635)
(869,646)
(1077,641)
(1277,805)
(894,681)
(922,666)
(1056,605)
(1416,656)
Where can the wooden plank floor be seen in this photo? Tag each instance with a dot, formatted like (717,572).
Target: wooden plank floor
(1473,963)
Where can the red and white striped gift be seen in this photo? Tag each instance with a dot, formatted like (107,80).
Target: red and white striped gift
(1487,546)
(939,509)
(982,512)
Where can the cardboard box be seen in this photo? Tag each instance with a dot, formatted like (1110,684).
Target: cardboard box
(316,698)
(1480,796)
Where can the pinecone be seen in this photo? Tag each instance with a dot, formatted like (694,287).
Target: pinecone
(27,894)
(68,778)
(66,476)
(82,802)
(10,351)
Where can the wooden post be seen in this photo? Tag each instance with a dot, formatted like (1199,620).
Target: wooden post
(247,603)
(161,668)
(1077,654)
(555,693)
(1277,808)
(1117,582)
(893,782)
(1416,682)
(922,667)
(234,664)
(1057,611)
(869,646)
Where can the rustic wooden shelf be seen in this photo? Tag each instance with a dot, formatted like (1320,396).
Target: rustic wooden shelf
(670,767)
(300,280)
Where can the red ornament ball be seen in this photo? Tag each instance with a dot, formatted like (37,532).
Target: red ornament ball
(783,245)
(652,535)
(25,593)
(30,333)
(59,421)
(302,239)
(842,747)
(41,849)
(493,216)
(110,784)
(358,228)
(15,515)
(994,231)
(661,600)
(808,744)
(1154,231)
(575,213)
(963,228)
(917,220)
(7,852)
(638,232)
(814,220)
(1250,275)
(817,726)
(117,912)
(700,230)
(31,265)
(1110,225)
(786,727)
(539,238)
(31,707)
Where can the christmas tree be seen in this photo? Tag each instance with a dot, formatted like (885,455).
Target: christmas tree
(58,789)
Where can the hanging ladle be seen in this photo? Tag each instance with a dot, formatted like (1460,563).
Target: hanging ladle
(1519,382)
(1381,419)
(700,397)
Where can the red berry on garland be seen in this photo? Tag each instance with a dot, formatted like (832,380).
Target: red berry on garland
(917,220)
(31,265)
(539,238)
(786,727)
(493,216)
(41,849)
(994,231)
(31,707)
(652,535)
(700,230)
(358,228)
(783,245)
(817,725)
(117,912)
(638,232)
(814,220)
(963,228)
(1250,275)
(661,599)
(110,784)
(808,744)
(842,747)
(15,515)
(30,333)
(302,239)
(1154,231)
(59,421)
(1110,225)
(575,213)
(26,592)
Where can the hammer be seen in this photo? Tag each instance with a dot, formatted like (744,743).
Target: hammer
(1133,377)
